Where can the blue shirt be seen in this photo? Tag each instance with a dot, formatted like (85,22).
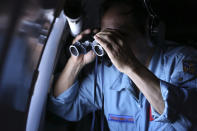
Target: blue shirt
(177,70)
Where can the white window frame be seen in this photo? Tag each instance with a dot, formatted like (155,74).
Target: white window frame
(46,68)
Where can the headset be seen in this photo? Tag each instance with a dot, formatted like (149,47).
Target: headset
(154,21)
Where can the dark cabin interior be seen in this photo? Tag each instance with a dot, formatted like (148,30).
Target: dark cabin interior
(180,21)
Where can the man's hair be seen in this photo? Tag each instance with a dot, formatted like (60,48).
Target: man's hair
(139,14)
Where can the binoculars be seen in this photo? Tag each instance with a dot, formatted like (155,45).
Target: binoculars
(84,47)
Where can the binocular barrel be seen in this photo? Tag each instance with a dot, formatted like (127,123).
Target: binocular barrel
(82,48)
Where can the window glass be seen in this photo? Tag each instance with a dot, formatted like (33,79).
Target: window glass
(24,27)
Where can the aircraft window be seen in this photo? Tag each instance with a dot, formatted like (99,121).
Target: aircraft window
(24,28)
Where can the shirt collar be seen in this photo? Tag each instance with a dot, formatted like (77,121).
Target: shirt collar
(121,82)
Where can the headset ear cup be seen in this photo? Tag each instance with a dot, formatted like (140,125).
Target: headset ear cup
(154,32)
(154,27)
(153,22)
(149,25)
(160,31)
(151,29)
(158,34)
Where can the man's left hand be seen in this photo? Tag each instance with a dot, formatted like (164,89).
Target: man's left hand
(119,52)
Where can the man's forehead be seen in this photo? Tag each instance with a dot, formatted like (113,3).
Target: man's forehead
(116,17)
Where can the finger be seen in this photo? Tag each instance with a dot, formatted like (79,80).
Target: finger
(116,32)
(86,32)
(92,53)
(105,46)
(102,42)
(80,36)
(104,33)
(111,41)
(115,45)
(95,31)
(113,35)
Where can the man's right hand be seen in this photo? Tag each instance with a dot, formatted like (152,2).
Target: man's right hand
(73,66)
(84,59)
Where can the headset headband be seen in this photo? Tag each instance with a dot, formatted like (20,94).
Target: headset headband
(149,9)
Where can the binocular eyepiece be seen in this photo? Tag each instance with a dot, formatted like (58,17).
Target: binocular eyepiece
(84,47)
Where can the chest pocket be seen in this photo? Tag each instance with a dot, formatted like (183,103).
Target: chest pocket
(121,83)
(183,79)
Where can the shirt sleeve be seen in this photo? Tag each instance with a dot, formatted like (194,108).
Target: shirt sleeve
(179,93)
(76,101)
(176,101)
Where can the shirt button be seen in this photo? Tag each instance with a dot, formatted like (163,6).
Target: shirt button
(180,79)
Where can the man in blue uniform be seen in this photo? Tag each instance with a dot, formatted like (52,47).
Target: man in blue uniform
(146,88)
